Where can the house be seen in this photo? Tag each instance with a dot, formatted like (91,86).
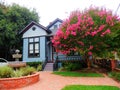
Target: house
(36,41)
(37,45)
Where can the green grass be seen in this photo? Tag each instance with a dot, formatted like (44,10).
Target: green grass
(90,87)
(78,74)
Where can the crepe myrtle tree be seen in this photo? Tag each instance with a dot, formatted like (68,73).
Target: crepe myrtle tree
(88,32)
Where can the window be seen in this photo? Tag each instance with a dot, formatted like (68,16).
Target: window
(59,25)
(33,49)
(33,28)
(55,27)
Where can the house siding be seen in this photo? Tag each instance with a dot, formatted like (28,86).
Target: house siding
(33,33)
(42,56)
(54,30)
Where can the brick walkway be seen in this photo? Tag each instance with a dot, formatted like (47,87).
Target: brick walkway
(50,81)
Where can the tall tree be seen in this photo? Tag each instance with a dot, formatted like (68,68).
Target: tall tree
(90,32)
(13,19)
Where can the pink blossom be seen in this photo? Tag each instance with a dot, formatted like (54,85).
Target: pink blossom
(81,43)
(91,47)
(73,33)
(101,28)
(94,33)
(65,37)
(89,53)
(108,31)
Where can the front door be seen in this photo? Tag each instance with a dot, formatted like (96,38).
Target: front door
(50,52)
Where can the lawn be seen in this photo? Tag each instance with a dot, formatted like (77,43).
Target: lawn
(78,74)
(90,87)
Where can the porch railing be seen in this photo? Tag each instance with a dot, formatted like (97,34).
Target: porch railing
(68,58)
(44,63)
(62,58)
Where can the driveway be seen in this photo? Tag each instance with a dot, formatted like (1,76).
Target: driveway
(49,81)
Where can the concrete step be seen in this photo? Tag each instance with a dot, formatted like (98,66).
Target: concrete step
(48,67)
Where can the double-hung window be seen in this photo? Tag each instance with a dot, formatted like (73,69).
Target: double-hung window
(33,48)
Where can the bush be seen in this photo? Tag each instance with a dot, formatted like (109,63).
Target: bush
(6,72)
(18,73)
(27,70)
(71,66)
(61,69)
(33,64)
(115,75)
(39,67)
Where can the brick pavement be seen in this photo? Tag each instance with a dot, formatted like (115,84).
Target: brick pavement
(50,81)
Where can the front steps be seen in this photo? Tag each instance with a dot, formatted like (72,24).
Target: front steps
(48,67)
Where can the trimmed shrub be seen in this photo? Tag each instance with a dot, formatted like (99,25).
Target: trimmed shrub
(33,64)
(6,72)
(39,67)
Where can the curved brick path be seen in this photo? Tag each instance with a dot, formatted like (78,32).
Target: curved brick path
(50,81)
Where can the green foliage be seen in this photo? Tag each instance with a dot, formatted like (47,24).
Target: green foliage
(6,72)
(27,71)
(90,87)
(12,20)
(115,75)
(34,64)
(94,31)
(61,69)
(17,73)
(39,67)
(24,71)
(71,66)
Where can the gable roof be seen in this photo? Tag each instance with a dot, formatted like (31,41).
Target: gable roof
(52,23)
(31,24)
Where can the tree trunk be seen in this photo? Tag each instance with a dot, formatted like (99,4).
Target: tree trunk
(88,63)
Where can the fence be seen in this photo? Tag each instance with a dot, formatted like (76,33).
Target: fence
(68,58)
(105,63)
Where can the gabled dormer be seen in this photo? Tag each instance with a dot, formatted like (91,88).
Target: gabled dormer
(54,25)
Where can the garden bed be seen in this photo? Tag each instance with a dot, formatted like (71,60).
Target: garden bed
(8,83)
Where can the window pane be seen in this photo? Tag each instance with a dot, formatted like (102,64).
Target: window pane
(36,39)
(36,51)
(55,26)
(31,51)
(37,54)
(30,39)
(31,55)
(36,45)
(31,47)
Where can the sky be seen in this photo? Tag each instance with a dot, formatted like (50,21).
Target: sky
(49,10)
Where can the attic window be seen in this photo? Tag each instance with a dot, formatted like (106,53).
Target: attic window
(33,28)
(55,27)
